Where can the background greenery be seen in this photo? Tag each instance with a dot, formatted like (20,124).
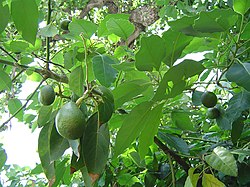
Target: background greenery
(146,125)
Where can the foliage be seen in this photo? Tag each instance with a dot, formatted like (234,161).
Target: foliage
(127,66)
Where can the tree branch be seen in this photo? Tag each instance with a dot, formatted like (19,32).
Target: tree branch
(167,151)
(45,73)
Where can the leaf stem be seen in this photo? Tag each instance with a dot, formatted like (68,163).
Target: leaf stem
(23,106)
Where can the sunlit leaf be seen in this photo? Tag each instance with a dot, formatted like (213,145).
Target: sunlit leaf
(5,81)
(222,160)
(241,6)
(81,26)
(48,31)
(14,105)
(4,15)
(76,80)
(209,180)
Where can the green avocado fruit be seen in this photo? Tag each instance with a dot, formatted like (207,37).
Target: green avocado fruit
(70,121)
(209,99)
(65,24)
(46,95)
(213,113)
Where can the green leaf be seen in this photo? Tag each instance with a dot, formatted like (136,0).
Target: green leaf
(223,121)
(81,26)
(173,82)
(5,81)
(175,44)
(181,120)
(222,160)
(132,126)
(243,176)
(196,98)
(3,157)
(95,145)
(127,179)
(246,32)
(150,129)
(151,53)
(18,46)
(103,70)
(4,15)
(237,104)
(76,163)
(69,59)
(120,27)
(240,74)
(209,180)
(58,144)
(44,115)
(76,80)
(192,178)
(48,31)
(60,170)
(241,6)
(237,128)
(25,17)
(44,151)
(128,90)
(103,29)
(106,107)
(177,143)
(217,20)
(14,105)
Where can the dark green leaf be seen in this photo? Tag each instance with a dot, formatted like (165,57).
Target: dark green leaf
(14,105)
(76,80)
(196,98)
(181,120)
(222,160)
(106,107)
(120,27)
(237,104)
(151,53)
(132,126)
(237,128)
(128,90)
(217,20)
(58,144)
(177,143)
(25,16)
(175,43)
(69,59)
(240,74)
(5,81)
(95,145)
(150,129)
(103,70)
(4,15)
(241,6)
(103,29)
(44,150)
(81,26)
(76,163)
(60,170)
(243,176)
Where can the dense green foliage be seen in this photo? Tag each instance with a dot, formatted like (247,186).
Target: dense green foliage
(128,66)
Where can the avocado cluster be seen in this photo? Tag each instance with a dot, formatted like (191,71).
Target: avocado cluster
(209,100)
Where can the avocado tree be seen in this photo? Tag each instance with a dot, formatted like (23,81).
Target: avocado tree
(119,86)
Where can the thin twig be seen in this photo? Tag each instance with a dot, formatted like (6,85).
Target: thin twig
(48,38)
(9,54)
(23,106)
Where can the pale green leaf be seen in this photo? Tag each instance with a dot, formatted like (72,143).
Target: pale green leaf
(151,53)
(3,157)
(76,80)
(82,27)
(14,105)
(222,160)
(25,17)
(5,81)
(182,120)
(209,180)
(120,27)
(48,31)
